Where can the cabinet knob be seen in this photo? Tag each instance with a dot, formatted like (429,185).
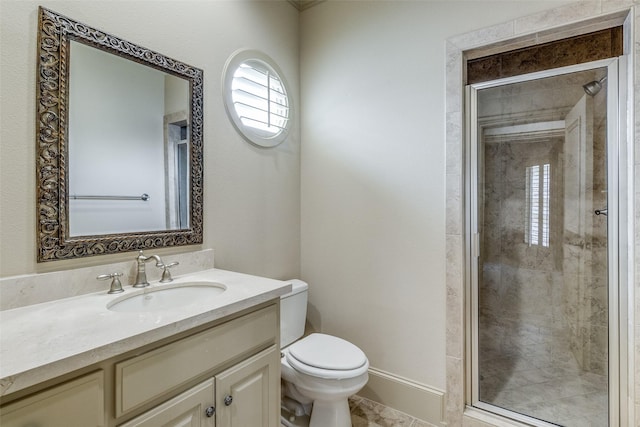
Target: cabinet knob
(228,400)
(210,411)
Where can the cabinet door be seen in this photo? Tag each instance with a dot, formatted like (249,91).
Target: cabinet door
(248,394)
(189,409)
(77,403)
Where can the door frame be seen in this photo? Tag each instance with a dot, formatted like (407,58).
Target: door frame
(617,226)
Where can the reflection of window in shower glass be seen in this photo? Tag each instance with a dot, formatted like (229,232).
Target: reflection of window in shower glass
(537,205)
(546,182)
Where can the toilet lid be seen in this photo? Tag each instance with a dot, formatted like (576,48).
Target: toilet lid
(327,352)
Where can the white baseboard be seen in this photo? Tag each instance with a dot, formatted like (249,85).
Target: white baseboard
(417,400)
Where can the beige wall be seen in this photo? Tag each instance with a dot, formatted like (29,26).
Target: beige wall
(373,173)
(251,212)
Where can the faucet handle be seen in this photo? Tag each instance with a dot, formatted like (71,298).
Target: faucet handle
(116,286)
(166,274)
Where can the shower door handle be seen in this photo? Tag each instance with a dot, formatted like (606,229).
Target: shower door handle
(475,245)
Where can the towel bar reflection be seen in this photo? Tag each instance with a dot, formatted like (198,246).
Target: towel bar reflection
(144,197)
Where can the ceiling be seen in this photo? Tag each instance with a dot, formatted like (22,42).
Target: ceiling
(304,4)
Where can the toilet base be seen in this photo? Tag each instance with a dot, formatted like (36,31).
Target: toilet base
(334,414)
(323,414)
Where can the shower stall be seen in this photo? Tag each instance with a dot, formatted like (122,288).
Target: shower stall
(540,243)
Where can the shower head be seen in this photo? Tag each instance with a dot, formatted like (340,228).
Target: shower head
(592,88)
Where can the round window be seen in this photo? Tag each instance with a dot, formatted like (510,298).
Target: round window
(255,97)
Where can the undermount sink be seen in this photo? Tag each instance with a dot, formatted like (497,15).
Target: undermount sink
(167,297)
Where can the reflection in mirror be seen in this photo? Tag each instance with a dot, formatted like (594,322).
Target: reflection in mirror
(119,149)
(119,144)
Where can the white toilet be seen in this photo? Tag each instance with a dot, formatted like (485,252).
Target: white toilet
(319,372)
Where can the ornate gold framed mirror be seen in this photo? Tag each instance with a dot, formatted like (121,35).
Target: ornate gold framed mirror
(119,134)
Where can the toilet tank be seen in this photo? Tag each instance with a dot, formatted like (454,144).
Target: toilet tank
(293,313)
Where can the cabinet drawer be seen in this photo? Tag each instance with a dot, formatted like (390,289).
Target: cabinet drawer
(186,409)
(77,403)
(143,378)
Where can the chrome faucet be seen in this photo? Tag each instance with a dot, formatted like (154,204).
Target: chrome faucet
(141,276)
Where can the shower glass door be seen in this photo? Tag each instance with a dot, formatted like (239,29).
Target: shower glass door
(540,248)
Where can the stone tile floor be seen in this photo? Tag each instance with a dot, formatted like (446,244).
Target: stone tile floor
(544,382)
(367,413)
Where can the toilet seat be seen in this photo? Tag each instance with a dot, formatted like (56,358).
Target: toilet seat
(326,356)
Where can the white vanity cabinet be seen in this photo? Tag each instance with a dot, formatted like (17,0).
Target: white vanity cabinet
(225,375)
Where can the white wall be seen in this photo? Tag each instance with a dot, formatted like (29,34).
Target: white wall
(251,196)
(176,94)
(373,172)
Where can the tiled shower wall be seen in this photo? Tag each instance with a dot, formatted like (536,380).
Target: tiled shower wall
(521,301)
(536,295)
(584,261)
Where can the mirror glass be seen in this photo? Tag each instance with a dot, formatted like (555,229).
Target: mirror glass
(128,154)
(119,144)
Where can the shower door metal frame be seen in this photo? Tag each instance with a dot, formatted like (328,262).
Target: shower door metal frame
(617,242)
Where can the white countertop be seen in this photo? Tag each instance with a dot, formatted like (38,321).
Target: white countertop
(43,341)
